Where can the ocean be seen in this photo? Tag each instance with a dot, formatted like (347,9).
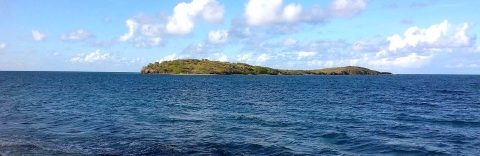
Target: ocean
(90,113)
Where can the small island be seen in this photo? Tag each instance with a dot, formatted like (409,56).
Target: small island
(204,66)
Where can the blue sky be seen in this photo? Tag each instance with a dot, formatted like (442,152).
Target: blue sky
(405,37)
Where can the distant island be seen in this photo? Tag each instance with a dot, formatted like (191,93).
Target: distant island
(204,66)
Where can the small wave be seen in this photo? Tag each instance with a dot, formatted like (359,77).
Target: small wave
(334,134)
(246,149)
(405,148)
(445,91)
(207,149)
(25,148)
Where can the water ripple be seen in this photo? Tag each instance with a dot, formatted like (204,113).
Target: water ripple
(68,113)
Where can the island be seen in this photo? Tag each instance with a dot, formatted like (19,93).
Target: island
(204,66)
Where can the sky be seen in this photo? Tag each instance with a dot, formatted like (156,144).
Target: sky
(403,37)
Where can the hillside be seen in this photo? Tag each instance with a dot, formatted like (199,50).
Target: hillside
(204,66)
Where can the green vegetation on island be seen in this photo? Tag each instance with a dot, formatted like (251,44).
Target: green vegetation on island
(204,66)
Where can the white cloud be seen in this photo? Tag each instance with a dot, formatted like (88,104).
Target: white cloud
(315,62)
(217,37)
(293,45)
(262,58)
(418,46)
(435,36)
(147,33)
(3,45)
(221,57)
(155,41)
(172,57)
(169,57)
(266,12)
(152,30)
(263,12)
(369,45)
(56,54)
(142,42)
(183,19)
(139,60)
(473,65)
(414,35)
(244,57)
(37,36)
(476,50)
(77,35)
(328,64)
(320,45)
(460,38)
(347,8)
(132,26)
(291,12)
(302,54)
(461,65)
(213,12)
(198,48)
(289,42)
(411,61)
(92,57)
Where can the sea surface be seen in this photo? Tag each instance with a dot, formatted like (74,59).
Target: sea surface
(85,113)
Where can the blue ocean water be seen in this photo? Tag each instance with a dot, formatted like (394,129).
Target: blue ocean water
(77,113)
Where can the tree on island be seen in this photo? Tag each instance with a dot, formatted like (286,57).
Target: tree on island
(204,66)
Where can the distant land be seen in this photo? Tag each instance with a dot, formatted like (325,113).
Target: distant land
(204,66)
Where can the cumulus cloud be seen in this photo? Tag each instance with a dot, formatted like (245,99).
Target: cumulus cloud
(315,62)
(124,60)
(435,36)
(77,35)
(262,58)
(244,57)
(183,19)
(132,26)
(146,32)
(92,57)
(261,12)
(37,36)
(197,48)
(254,58)
(217,37)
(152,30)
(168,58)
(412,60)
(268,12)
(143,42)
(172,57)
(149,36)
(221,57)
(3,45)
(302,54)
(347,8)
(418,46)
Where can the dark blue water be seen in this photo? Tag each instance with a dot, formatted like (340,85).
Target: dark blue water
(70,113)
